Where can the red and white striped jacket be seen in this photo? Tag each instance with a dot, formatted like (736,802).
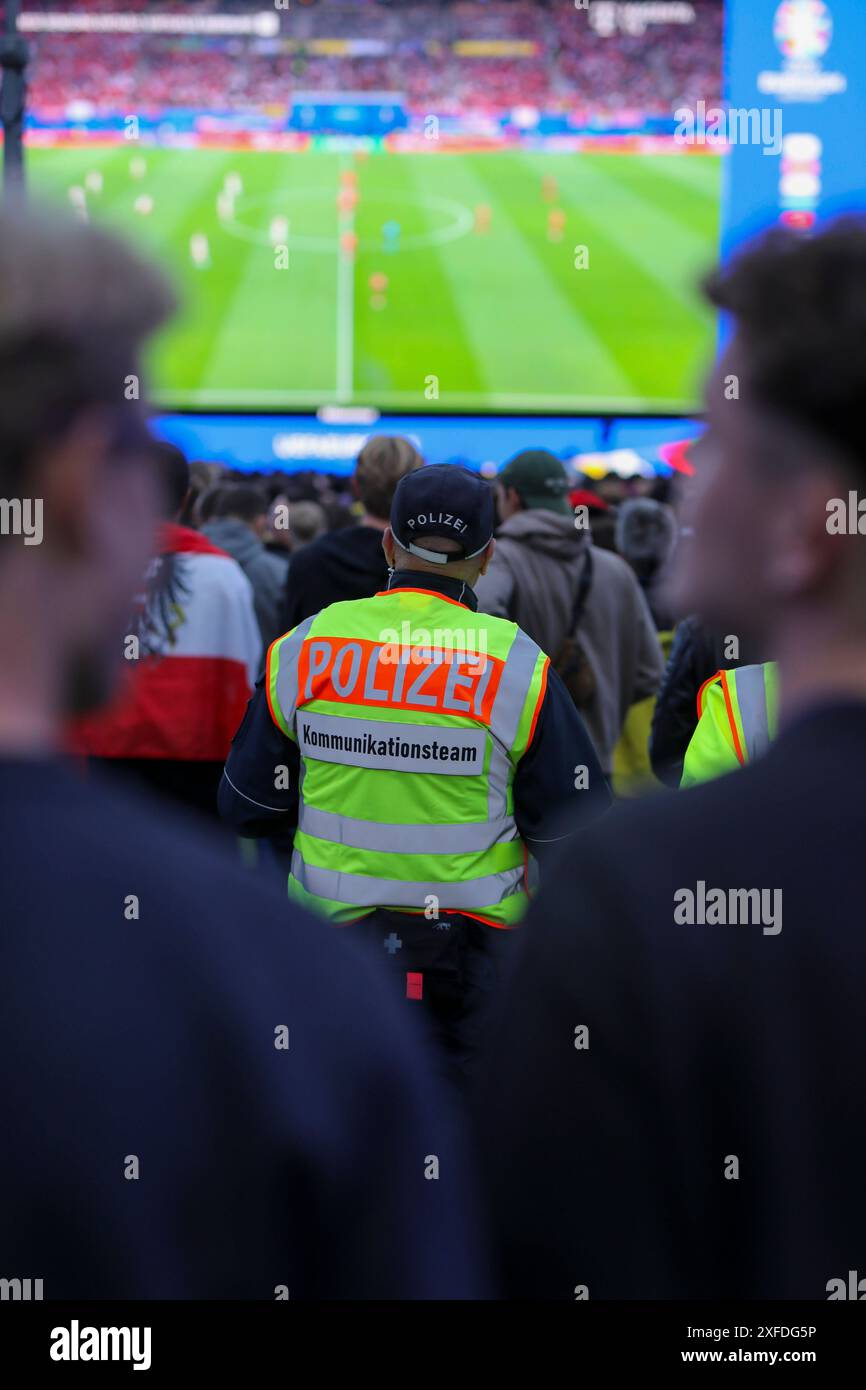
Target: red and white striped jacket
(200,651)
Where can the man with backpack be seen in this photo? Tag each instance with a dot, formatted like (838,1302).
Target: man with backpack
(582,605)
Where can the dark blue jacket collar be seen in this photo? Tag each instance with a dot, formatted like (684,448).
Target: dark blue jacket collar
(442,584)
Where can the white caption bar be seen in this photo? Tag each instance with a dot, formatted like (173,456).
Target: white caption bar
(263,25)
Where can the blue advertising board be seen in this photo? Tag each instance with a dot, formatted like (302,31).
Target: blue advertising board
(352,113)
(296,443)
(796,109)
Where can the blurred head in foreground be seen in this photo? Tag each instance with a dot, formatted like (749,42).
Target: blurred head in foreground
(785,444)
(75,455)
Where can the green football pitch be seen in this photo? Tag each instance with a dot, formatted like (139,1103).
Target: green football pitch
(469,319)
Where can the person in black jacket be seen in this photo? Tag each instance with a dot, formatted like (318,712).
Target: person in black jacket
(674,1102)
(203,1094)
(351,563)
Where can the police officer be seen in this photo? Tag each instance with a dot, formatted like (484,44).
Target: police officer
(420,751)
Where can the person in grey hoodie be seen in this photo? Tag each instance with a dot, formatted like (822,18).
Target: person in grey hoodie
(544,560)
(236,523)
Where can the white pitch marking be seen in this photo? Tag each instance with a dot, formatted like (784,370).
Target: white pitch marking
(418,241)
(345,308)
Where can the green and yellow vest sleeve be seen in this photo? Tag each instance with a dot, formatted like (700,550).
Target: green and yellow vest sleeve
(737,720)
(411,714)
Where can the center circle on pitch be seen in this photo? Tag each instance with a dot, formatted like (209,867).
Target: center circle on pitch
(280,204)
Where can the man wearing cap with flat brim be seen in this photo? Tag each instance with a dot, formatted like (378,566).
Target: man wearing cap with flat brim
(423,751)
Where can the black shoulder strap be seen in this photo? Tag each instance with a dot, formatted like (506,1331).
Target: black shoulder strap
(583,587)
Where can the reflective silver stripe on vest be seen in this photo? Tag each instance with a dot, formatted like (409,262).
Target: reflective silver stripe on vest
(752,702)
(287,671)
(498,776)
(363,890)
(467,838)
(513,688)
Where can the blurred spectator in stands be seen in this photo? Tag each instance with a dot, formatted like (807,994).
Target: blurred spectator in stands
(646,533)
(549,578)
(237,523)
(351,563)
(278,537)
(203,478)
(600,514)
(307,521)
(612,489)
(567,63)
(193,656)
(205,504)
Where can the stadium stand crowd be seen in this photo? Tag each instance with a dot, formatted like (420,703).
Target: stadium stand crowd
(573,67)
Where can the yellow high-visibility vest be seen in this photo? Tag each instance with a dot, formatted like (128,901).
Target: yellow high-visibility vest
(737,721)
(408,682)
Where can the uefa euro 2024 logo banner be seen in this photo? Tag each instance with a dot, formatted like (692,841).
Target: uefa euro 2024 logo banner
(803,29)
(803,32)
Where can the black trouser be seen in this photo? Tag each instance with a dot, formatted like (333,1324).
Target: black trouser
(447,970)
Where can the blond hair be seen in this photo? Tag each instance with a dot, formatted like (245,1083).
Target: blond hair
(383,461)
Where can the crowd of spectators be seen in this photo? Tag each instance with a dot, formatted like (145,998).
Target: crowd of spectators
(573,65)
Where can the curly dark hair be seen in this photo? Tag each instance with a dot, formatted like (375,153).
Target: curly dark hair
(799,303)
